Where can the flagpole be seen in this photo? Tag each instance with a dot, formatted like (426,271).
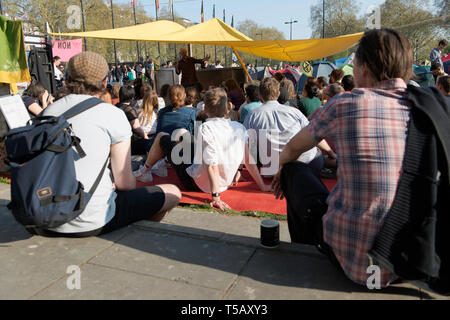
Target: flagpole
(203,19)
(215,47)
(112,20)
(156,9)
(225,49)
(135,23)
(84,27)
(175,44)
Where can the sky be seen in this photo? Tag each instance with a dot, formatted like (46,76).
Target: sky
(268,13)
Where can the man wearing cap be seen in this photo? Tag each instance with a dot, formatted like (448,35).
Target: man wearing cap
(105,133)
(186,66)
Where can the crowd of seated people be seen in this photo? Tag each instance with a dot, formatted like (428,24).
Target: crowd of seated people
(207,136)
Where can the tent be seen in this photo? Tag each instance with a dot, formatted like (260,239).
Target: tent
(216,32)
(291,73)
(320,69)
(340,62)
(348,69)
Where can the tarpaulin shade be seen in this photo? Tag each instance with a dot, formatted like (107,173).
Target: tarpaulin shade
(140,32)
(216,32)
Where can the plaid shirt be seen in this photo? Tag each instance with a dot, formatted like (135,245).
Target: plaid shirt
(369,128)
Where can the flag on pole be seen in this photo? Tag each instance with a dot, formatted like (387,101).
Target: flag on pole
(223,15)
(171,6)
(14,68)
(132,3)
(203,16)
(232,21)
(214,11)
(157,5)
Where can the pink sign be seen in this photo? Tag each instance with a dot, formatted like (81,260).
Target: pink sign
(67,49)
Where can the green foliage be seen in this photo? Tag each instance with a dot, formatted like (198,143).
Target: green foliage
(256,214)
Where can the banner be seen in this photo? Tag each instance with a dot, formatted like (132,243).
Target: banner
(67,49)
(13,66)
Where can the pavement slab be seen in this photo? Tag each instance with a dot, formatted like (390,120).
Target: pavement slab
(190,255)
(203,262)
(272,275)
(102,283)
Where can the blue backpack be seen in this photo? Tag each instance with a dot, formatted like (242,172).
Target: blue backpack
(45,192)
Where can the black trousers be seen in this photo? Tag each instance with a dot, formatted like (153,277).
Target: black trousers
(186,180)
(131,206)
(306,197)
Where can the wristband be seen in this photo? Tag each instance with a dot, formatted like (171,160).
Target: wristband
(215,195)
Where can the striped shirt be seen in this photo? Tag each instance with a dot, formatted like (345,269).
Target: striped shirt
(369,128)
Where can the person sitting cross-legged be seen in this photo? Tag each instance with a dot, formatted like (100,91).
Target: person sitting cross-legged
(220,147)
(105,133)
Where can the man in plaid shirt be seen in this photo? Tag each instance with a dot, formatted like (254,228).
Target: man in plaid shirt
(369,128)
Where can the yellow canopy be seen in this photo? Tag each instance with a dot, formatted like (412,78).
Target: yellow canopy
(298,50)
(140,32)
(216,32)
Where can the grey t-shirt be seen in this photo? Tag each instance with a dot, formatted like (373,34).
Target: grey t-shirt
(98,128)
(282,124)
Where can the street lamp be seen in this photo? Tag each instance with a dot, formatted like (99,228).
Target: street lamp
(290,23)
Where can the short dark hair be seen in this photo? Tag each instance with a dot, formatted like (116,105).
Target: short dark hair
(126,93)
(444,81)
(252,93)
(337,74)
(348,82)
(386,53)
(35,90)
(443,42)
(56,58)
(284,96)
(323,81)
(312,90)
(191,95)
(164,90)
(435,65)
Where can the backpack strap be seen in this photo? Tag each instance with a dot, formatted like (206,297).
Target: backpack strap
(81,107)
(99,177)
(74,111)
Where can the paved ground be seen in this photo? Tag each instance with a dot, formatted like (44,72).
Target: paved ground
(190,255)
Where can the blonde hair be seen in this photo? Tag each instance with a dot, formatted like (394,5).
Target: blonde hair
(115,91)
(149,106)
(106,96)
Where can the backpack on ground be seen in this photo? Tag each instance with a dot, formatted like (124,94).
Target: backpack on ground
(45,192)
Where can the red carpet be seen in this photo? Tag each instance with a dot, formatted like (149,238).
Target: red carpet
(246,196)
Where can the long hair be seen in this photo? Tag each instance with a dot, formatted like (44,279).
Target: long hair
(149,107)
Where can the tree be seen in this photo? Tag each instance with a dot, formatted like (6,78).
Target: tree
(417,24)
(340,18)
(257,32)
